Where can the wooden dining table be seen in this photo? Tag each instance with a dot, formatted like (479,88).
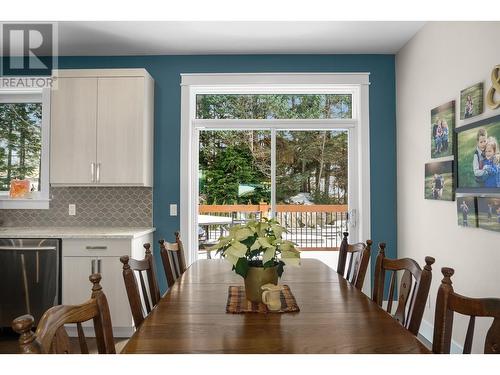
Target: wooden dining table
(334,317)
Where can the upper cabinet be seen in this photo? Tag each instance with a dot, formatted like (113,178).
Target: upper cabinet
(102,128)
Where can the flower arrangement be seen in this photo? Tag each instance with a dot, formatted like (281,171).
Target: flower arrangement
(257,244)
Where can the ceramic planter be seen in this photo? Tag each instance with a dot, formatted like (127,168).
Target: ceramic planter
(256,277)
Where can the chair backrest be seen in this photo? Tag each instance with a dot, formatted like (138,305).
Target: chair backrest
(413,288)
(172,257)
(359,257)
(140,307)
(50,335)
(448,302)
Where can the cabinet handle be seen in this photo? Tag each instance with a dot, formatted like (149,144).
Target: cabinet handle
(96,247)
(92,266)
(98,266)
(98,172)
(92,171)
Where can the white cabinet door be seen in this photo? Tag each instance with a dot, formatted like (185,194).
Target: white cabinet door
(121,130)
(73,130)
(76,286)
(114,287)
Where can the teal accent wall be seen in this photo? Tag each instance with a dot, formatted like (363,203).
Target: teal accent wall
(166,72)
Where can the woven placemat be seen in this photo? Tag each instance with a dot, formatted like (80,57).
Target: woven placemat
(237,302)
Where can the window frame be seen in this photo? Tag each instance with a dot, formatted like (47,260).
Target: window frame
(40,199)
(261,83)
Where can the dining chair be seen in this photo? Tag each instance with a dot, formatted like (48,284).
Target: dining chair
(140,304)
(50,335)
(448,302)
(358,261)
(172,257)
(413,287)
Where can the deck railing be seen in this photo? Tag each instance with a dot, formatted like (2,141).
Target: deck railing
(311,227)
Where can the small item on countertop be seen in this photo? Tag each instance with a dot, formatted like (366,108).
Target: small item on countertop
(19,188)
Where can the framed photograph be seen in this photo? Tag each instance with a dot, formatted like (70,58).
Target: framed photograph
(471,101)
(442,126)
(489,213)
(467,211)
(439,182)
(478,157)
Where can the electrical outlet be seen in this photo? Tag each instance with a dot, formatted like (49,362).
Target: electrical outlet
(173,210)
(72,209)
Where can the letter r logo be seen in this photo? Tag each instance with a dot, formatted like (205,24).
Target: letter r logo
(27,49)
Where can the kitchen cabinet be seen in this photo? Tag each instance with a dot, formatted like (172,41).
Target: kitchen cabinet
(102,128)
(82,257)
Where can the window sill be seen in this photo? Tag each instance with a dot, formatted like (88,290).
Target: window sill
(24,204)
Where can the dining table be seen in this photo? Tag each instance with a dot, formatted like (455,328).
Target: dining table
(334,317)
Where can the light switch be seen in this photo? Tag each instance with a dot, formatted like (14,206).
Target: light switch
(72,209)
(173,210)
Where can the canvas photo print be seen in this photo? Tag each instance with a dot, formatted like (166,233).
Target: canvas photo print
(467,211)
(489,213)
(471,101)
(478,156)
(439,184)
(442,125)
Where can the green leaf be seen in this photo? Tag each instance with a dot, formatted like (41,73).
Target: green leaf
(231,259)
(280,268)
(256,245)
(237,249)
(264,242)
(277,230)
(292,261)
(269,264)
(261,229)
(288,246)
(223,241)
(242,234)
(268,254)
(241,267)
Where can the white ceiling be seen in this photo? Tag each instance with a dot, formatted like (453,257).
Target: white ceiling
(178,37)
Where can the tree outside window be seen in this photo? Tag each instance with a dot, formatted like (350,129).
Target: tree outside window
(20,143)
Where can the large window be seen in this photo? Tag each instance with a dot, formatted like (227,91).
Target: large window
(290,146)
(23,147)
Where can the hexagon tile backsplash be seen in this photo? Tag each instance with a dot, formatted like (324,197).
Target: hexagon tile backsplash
(95,206)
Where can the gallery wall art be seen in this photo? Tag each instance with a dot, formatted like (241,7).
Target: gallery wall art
(471,101)
(442,126)
(439,181)
(467,211)
(478,157)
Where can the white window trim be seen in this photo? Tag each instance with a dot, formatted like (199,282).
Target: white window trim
(39,200)
(193,84)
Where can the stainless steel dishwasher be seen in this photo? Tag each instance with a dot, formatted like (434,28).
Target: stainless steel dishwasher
(30,271)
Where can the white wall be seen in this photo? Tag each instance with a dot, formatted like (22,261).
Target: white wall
(442,59)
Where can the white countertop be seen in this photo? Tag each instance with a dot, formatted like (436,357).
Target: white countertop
(73,232)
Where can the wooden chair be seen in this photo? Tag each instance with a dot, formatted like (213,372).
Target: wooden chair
(413,288)
(448,302)
(358,261)
(50,335)
(151,295)
(172,257)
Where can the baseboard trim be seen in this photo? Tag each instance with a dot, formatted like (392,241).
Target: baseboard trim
(427,330)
